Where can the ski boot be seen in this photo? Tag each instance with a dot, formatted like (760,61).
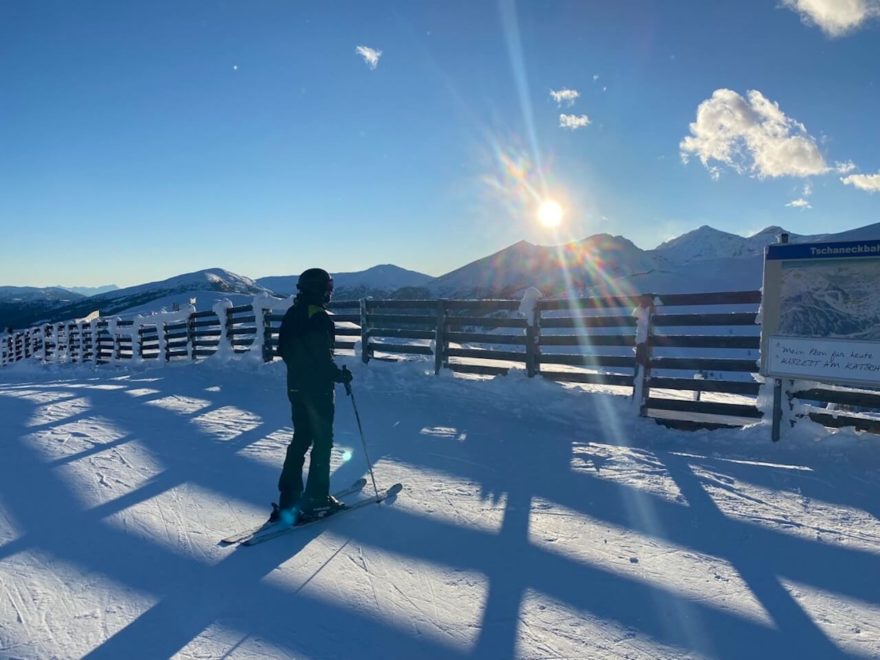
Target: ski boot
(281,516)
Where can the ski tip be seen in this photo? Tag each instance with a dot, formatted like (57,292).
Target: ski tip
(394,490)
(360,483)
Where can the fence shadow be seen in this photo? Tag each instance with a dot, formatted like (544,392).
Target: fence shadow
(507,455)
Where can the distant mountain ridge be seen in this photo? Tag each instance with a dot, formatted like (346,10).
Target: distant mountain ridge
(709,243)
(20,304)
(701,260)
(577,265)
(34,294)
(378,280)
(180,287)
(90,290)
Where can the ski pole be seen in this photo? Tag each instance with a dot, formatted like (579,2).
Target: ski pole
(361,430)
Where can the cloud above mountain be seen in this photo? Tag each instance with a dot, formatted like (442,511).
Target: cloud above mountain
(869,182)
(799,203)
(752,135)
(835,17)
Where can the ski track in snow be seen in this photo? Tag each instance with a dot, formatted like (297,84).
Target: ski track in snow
(536,521)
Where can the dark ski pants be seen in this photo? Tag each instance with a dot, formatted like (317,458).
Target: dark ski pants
(312,414)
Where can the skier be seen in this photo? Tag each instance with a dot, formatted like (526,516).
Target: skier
(306,342)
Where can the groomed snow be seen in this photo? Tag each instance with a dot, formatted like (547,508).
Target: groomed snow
(537,521)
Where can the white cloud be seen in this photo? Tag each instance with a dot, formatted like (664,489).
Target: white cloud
(869,182)
(751,135)
(573,122)
(808,190)
(371,56)
(835,17)
(799,204)
(844,168)
(565,96)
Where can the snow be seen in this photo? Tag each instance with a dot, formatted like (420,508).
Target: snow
(528,305)
(214,279)
(709,243)
(538,520)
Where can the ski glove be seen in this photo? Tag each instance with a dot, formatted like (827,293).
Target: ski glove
(344,376)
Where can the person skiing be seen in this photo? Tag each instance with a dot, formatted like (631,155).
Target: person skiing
(305,343)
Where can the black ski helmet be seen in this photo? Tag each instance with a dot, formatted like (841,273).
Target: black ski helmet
(315,283)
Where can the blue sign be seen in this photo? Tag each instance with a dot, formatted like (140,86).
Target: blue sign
(845,250)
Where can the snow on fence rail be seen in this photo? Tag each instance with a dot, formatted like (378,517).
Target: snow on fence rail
(689,360)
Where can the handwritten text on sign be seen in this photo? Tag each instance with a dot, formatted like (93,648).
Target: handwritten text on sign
(829,360)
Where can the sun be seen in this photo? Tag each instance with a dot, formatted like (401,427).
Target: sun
(550,213)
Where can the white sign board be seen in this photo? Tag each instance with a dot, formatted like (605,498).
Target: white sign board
(824,359)
(821,312)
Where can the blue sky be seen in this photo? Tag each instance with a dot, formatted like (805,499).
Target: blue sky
(140,140)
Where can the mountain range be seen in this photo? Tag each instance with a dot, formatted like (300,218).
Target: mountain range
(378,280)
(701,260)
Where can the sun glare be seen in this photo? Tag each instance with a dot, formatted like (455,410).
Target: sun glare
(550,213)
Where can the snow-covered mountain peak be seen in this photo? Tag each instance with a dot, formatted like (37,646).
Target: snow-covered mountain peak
(216,279)
(707,242)
(550,268)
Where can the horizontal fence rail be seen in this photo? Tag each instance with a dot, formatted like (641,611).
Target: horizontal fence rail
(688,360)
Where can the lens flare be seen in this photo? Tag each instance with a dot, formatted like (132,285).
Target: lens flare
(550,213)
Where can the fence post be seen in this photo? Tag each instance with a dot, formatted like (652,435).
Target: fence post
(440,336)
(165,349)
(93,336)
(533,341)
(71,342)
(230,338)
(776,421)
(365,334)
(190,337)
(50,342)
(72,339)
(268,350)
(117,341)
(645,315)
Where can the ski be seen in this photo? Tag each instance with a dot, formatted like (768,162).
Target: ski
(269,534)
(355,487)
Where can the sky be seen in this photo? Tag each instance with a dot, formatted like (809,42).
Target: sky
(142,140)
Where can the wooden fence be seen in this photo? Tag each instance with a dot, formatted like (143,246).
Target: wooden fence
(688,360)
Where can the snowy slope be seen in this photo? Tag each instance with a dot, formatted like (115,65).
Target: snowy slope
(215,283)
(709,243)
(699,276)
(537,521)
(92,290)
(215,279)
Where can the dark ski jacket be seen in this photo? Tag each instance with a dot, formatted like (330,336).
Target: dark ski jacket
(306,343)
